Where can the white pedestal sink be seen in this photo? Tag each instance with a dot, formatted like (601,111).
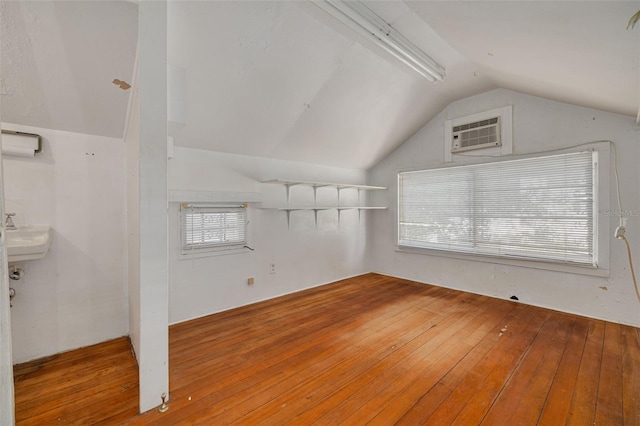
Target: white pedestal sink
(28,242)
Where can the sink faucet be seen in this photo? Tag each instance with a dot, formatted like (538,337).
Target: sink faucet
(8,224)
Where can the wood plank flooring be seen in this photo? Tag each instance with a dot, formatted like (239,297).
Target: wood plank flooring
(85,386)
(367,350)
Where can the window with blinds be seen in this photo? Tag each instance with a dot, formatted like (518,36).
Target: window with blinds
(208,229)
(537,208)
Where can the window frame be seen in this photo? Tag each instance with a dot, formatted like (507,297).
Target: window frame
(602,217)
(213,249)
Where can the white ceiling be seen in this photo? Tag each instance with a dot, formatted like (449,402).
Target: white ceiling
(285,80)
(59,60)
(578,52)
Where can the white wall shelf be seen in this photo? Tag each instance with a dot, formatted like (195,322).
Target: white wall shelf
(179,196)
(315,208)
(322,184)
(315,185)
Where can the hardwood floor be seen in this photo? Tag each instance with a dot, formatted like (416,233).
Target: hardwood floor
(371,349)
(85,386)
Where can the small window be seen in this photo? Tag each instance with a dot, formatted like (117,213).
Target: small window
(537,209)
(207,230)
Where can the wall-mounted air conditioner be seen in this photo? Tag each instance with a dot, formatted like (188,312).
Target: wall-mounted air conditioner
(476,135)
(490,130)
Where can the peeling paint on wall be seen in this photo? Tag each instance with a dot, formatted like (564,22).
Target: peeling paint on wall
(122,84)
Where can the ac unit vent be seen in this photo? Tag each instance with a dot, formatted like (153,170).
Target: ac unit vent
(476,135)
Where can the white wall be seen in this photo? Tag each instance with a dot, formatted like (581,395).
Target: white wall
(538,125)
(77,295)
(149,213)
(305,256)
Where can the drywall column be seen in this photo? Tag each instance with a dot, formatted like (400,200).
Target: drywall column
(6,364)
(151,295)
(7,415)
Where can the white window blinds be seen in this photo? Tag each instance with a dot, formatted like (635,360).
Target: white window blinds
(537,208)
(212,228)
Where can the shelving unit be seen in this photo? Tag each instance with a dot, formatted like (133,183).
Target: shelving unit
(315,185)
(315,208)
(179,196)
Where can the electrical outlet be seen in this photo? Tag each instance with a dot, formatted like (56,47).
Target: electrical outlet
(272,268)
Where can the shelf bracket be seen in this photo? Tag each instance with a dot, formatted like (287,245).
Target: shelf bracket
(288,219)
(288,187)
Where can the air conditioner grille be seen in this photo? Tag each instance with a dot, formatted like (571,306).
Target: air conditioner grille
(476,124)
(475,135)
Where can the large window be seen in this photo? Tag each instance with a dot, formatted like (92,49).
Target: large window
(212,229)
(536,208)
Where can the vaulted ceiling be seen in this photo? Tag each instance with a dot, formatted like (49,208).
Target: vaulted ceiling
(285,80)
